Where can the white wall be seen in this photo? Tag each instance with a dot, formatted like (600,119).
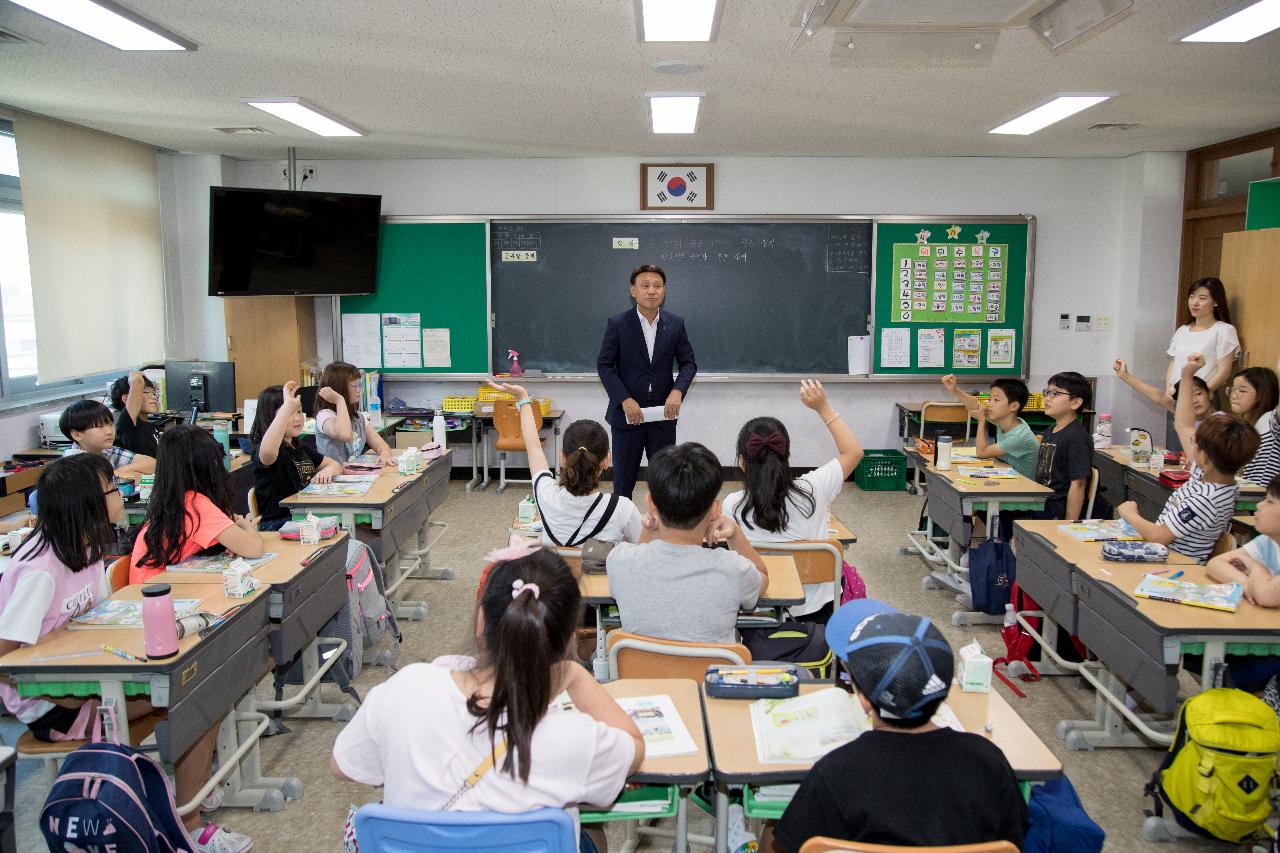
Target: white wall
(1107,243)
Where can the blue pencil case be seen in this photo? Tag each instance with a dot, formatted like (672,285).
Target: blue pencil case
(1134,552)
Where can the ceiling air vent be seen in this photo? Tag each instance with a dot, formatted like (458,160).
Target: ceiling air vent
(243,131)
(1114,126)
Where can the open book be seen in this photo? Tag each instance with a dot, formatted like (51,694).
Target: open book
(218,563)
(1216,596)
(1101,531)
(665,734)
(804,728)
(340,487)
(113,613)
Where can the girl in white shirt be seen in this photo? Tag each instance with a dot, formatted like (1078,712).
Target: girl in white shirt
(426,729)
(774,506)
(1210,332)
(574,507)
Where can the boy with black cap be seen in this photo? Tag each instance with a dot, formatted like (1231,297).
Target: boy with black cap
(907,781)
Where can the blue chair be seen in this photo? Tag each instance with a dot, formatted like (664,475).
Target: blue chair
(382,829)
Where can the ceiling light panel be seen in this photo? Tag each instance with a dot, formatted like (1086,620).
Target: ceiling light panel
(1245,25)
(674,113)
(305,115)
(107,23)
(677,20)
(1055,111)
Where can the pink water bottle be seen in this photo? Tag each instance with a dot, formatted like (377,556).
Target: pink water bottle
(159,624)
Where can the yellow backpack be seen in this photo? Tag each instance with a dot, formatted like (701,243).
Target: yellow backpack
(1219,772)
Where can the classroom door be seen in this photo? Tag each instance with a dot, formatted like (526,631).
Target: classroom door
(1203,252)
(1251,272)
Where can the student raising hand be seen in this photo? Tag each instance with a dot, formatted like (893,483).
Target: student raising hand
(848,450)
(331,396)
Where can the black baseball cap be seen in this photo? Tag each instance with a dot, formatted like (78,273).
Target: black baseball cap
(900,662)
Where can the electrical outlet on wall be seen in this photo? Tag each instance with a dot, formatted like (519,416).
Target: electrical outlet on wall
(306,176)
(1101,323)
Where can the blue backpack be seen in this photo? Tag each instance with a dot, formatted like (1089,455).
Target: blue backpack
(991,573)
(1059,823)
(112,797)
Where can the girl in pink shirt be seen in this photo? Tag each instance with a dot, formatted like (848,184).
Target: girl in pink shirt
(190,510)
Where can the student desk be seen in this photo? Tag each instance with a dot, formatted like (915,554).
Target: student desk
(1124,481)
(950,504)
(393,519)
(199,686)
(241,482)
(909,418)
(683,771)
(482,422)
(735,765)
(840,531)
(1245,527)
(783,590)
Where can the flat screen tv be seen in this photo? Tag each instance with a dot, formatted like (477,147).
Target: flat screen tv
(284,243)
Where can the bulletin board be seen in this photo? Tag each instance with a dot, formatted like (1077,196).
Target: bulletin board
(953,296)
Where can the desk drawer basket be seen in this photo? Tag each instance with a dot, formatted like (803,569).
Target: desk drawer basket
(882,471)
(457,404)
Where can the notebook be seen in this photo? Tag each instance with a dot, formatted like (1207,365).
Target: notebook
(1101,531)
(218,563)
(1216,596)
(665,734)
(114,613)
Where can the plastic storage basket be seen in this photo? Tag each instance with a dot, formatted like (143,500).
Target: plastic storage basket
(455,404)
(882,471)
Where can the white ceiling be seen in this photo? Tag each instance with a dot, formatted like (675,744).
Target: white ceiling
(537,78)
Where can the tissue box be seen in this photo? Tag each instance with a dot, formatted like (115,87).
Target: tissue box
(975,669)
(238,580)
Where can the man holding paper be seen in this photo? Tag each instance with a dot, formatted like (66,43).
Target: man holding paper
(635,365)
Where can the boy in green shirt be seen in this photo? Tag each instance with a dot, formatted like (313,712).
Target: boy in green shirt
(1015,443)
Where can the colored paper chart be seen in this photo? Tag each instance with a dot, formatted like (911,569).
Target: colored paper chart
(950,283)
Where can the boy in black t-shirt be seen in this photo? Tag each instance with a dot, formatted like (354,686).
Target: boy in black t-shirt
(283,465)
(135,397)
(906,781)
(1066,448)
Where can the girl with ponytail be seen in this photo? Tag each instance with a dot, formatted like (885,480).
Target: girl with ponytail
(777,507)
(574,509)
(428,728)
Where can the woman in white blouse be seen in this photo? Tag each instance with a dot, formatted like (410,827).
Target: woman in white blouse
(1209,332)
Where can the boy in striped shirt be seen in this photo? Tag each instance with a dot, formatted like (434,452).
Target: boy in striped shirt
(1200,510)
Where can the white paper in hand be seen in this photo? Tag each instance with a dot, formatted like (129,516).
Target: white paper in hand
(653,414)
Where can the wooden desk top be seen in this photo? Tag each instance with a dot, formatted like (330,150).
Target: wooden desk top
(914,408)
(840,530)
(1247,521)
(1073,550)
(1018,486)
(733,743)
(284,568)
(684,693)
(1121,455)
(784,585)
(1176,618)
(384,489)
(64,641)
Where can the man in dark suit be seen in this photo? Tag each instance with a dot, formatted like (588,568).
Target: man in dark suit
(635,363)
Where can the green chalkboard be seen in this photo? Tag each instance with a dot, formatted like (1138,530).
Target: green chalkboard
(952,297)
(439,271)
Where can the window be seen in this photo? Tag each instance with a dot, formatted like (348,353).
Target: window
(18,329)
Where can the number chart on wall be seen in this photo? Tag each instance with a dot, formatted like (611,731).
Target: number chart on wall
(952,296)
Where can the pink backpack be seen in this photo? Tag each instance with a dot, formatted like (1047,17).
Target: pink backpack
(852,586)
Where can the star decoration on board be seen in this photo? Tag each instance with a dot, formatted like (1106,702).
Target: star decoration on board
(922,236)
(953,233)
(982,237)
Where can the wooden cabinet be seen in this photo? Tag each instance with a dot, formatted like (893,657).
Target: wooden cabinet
(269,338)
(1251,272)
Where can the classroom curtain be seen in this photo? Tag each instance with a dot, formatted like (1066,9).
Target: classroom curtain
(92,207)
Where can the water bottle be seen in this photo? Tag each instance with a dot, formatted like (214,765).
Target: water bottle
(943,460)
(375,409)
(222,435)
(1009,618)
(438,429)
(1102,435)
(159,624)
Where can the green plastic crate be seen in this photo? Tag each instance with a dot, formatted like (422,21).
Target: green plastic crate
(667,795)
(882,471)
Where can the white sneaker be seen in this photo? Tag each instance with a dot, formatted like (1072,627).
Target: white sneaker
(218,839)
(214,801)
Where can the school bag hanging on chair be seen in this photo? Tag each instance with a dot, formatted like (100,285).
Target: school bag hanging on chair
(991,573)
(1219,773)
(801,643)
(108,796)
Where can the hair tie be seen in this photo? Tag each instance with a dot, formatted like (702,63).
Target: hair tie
(518,586)
(518,548)
(774,441)
(583,449)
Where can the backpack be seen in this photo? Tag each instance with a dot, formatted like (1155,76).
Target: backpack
(112,797)
(1219,773)
(852,586)
(1059,823)
(801,643)
(363,622)
(991,574)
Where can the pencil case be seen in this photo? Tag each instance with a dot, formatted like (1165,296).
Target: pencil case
(776,681)
(1134,552)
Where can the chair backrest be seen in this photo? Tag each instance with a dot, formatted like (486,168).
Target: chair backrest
(252,499)
(944,413)
(1226,542)
(118,574)
(817,560)
(1091,493)
(637,656)
(383,829)
(822,844)
(506,420)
